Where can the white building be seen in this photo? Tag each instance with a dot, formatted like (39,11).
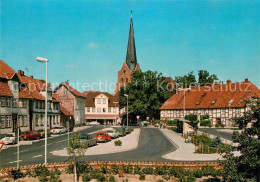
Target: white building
(102,107)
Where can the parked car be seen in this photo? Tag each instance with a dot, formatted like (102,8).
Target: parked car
(9,138)
(102,136)
(121,131)
(88,139)
(111,132)
(127,129)
(42,132)
(94,123)
(30,135)
(58,130)
(1,137)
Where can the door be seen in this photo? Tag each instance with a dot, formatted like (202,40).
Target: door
(15,124)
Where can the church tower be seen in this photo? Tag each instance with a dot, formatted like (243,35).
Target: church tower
(130,65)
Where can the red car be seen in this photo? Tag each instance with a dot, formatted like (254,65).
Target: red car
(102,136)
(30,135)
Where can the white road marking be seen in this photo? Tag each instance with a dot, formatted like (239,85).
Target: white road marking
(14,162)
(20,151)
(55,142)
(37,156)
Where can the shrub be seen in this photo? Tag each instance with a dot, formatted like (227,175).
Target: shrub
(42,173)
(16,174)
(148,170)
(118,143)
(216,125)
(161,170)
(114,169)
(204,117)
(112,179)
(205,123)
(86,177)
(137,170)
(142,177)
(55,175)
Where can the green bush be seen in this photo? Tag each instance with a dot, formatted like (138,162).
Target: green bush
(142,177)
(148,170)
(16,174)
(112,179)
(205,123)
(216,125)
(204,117)
(137,170)
(55,175)
(114,169)
(161,170)
(86,177)
(118,143)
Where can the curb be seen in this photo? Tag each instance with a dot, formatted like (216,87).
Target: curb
(170,140)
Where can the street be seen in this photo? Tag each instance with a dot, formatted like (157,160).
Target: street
(152,145)
(217,132)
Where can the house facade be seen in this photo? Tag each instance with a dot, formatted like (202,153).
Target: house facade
(102,107)
(14,102)
(37,89)
(221,102)
(73,101)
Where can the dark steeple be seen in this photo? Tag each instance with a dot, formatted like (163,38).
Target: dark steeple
(131,60)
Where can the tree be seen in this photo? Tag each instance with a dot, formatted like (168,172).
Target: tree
(193,121)
(245,167)
(76,150)
(204,78)
(147,92)
(186,80)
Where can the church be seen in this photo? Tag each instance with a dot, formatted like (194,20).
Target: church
(130,65)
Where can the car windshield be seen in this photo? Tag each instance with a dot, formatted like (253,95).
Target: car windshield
(2,136)
(100,134)
(26,132)
(110,131)
(57,127)
(9,135)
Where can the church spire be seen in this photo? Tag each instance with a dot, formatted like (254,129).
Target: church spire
(131,60)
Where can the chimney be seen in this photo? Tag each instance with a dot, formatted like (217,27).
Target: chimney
(246,80)
(228,82)
(20,72)
(31,76)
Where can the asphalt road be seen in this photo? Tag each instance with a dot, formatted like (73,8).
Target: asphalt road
(152,145)
(216,132)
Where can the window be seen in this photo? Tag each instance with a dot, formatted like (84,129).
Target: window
(104,109)
(98,110)
(3,101)
(99,101)
(41,120)
(230,102)
(114,110)
(37,120)
(24,103)
(65,92)
(124,71)
(198,103)
(126,80)
(20,120)
(40,104)
(57,119)
(104,101)
(24,120)
(8,102)
(88,109)
(14,102)
(8,121)
(122,80)
(93,109)
(2,121)
(43,105)
(109,109)
(20,103)
(213,102)
(49,103)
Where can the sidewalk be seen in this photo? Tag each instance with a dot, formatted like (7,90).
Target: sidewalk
(185,151)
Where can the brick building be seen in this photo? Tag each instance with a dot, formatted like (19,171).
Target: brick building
(221,102)
(130,65)
(73,101)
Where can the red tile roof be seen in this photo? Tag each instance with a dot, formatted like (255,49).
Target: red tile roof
(71,89)
(204,97)
(90,95)
(4,89)
(65,111)
(6,71)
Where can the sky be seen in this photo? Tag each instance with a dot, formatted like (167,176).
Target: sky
(86,40)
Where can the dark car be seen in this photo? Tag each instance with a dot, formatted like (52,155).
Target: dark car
(42,132)
(121,131)
(88,140)
(127,129)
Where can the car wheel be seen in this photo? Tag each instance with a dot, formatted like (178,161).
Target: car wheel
(13,142)
(60,132)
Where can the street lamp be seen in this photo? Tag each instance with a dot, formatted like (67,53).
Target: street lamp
(127,109)
(68,126)
(115,110)
(184,90)
(44,60)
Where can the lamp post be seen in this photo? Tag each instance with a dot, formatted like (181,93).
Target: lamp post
(68,126)
(115,110)
(127,109)
(44,60)
(184,90)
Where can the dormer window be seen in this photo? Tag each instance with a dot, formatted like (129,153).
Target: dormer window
(198,103)
(204,94)
(213,102)
(230,102)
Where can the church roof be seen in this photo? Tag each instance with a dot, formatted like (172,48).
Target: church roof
(131,59)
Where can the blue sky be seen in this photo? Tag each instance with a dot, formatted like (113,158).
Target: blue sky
(86,41)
